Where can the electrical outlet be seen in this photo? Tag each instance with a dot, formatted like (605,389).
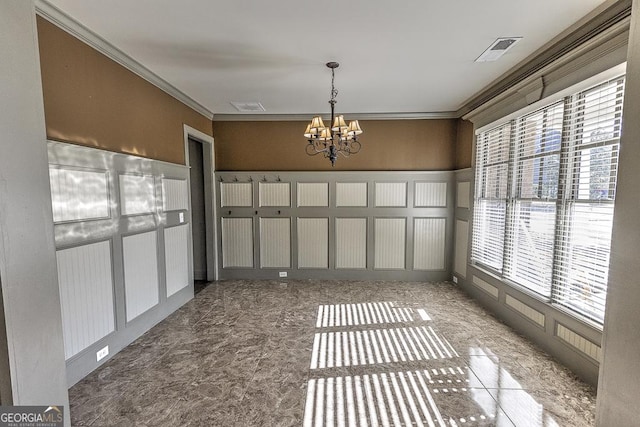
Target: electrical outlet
(283,274)
(455,279)
(102,353)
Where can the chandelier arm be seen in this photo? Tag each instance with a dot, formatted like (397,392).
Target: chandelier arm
(312,149)
(355,144)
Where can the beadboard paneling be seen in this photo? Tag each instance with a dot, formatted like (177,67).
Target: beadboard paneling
(176,255)
(275,242)
(430,194)
(391,194)
(238,194)
(140,273)
(237,242)
(275,194)
(462,246)
(390,235)
(462,194)
(313,242)
(313,194)
(429,243)
(351,194)
(351,243)
(86,295)
(137,195)
(175,194)
(78,195)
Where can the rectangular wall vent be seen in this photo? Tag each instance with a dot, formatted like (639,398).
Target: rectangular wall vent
(498,48)
(248,107)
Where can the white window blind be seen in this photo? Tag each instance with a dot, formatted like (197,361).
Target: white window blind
(591,165)
(545,190)
(532,211)
(492,168)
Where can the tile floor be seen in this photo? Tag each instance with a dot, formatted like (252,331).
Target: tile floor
(314,353)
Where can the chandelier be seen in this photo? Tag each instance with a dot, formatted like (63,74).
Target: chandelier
(339,138)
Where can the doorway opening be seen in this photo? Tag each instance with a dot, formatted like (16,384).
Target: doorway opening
(198,212)
(5,375)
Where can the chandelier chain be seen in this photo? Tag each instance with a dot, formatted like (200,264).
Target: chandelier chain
(334,91)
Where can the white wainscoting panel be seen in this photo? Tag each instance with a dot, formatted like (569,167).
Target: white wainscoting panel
(313,242)
(390,243)
(429,243)
(391,194)
(430,194)
(140,273)
(78,195)
(462,246)
(578,341)
(175,194)
(238,194)
(351,194)
(351,243)
(313,194)
(275,194)
(237,242)
(486,286)
(462,194)
(176,255)
(275,242)
(86,295)
(137,194)
(525,309)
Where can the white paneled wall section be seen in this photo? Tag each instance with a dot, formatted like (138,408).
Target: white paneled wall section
(140,273)
(237,242)
(379,225)
(391,194)
(275,242)
(429,243)
(351,243)
(313,194)
(236,194)
(351,194)
(137,194)
(429,194)
(275,194)
(123,248)
(313,242)
(462,247)
(78,195)
(390,235)
(86,295)
(175,194)
(176,256)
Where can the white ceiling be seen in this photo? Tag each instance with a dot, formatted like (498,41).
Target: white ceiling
(408,56)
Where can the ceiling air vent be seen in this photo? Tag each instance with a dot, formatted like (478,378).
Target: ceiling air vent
(248,107)
(498,48)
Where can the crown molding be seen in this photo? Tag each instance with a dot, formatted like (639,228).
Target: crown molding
(350,116)
(606,21)
(56,16)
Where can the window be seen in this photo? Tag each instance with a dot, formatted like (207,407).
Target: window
(491,196)
(545,189)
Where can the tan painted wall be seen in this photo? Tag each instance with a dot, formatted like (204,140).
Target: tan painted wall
(91,100)
(386,145)
(464,144)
